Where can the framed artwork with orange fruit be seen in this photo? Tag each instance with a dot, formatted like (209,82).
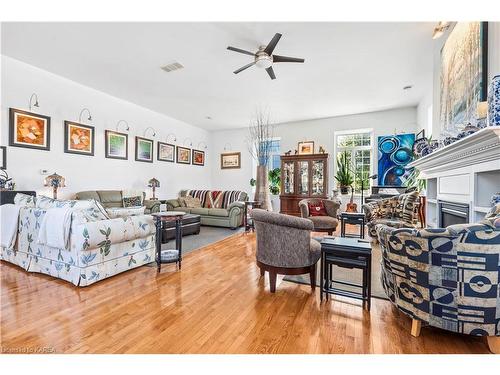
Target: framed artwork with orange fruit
(30,130)
(78,138)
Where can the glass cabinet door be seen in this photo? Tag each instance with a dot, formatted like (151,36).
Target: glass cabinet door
(288,177)
(303,176)
(318,177)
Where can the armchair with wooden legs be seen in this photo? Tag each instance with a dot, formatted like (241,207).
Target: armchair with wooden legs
(447,278)
(284,246)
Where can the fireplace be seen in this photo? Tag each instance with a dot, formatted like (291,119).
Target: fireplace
(450,213)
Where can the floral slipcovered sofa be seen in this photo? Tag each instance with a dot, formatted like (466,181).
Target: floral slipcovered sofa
(448,277)
(98,247)
(400,211)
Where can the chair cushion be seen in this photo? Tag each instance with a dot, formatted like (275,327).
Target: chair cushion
(218,212)
(199,211)
(324,222)
(316,208)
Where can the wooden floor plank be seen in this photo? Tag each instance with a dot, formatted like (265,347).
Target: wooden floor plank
(218,303)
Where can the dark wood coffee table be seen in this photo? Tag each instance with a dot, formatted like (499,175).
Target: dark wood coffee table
(352,253)
(353,218)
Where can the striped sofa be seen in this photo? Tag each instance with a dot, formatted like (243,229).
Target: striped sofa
(446,277)
(218,208)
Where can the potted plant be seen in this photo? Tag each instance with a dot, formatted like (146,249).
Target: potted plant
(344,174)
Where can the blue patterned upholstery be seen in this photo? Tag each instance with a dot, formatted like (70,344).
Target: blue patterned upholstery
(448,277)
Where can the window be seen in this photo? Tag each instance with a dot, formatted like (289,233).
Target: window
(274,157)
(358,146)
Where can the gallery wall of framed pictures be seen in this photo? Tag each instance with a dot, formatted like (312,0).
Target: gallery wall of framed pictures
(32,130)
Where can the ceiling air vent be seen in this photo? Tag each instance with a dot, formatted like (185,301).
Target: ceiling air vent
(172,66)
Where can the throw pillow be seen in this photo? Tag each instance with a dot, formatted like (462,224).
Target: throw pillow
(182,202)
(24,200)
(192,202)
(316,209)
(132,201)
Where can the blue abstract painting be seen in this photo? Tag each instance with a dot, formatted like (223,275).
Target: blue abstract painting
(394,155)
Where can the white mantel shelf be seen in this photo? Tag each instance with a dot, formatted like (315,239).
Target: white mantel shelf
(467,171)
(480,147)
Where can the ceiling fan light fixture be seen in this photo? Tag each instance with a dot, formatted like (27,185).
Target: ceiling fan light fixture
(263,61)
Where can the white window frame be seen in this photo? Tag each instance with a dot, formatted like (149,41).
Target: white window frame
(337,149)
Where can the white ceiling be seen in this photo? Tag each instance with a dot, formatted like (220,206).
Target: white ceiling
(349,68)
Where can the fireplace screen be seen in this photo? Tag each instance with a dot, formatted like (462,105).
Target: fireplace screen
(453,213)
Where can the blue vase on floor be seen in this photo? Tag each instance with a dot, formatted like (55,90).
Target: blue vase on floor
(494,102)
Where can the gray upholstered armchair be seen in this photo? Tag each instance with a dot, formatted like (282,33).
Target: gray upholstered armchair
(284,246)
(323,223)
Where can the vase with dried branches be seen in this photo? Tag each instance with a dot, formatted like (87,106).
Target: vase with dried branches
(260,134)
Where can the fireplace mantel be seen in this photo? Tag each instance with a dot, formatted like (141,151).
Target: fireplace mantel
(467,172)
(476,149)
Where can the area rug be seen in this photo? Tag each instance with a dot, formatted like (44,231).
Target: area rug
(207,236)
(352,276)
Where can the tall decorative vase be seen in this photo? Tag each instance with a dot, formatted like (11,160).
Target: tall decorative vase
(262,188)
(494,102)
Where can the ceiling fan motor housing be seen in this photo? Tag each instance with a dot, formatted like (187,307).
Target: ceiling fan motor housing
(263,60)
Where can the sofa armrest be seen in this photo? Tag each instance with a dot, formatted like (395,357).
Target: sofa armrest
(152,205)
(237,204)
(304,208)
(371,210)
(103,233)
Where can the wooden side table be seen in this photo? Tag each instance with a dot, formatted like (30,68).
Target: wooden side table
(247,221)
(171,255)
(349,253)
(354,218)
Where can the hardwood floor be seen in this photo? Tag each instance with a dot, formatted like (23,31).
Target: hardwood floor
(218,303)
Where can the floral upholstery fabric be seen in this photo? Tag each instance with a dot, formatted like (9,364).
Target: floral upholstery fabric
(115,212)
(399,211)
(24,200)
(446,278)
(99,248)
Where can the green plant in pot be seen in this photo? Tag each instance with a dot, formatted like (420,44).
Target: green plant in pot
(344,175)
(274,176)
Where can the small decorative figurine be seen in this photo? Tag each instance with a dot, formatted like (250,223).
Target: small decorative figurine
(321,150)
(288,153)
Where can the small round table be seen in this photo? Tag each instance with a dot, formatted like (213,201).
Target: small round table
(171,255)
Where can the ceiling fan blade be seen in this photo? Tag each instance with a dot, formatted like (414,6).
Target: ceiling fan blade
(270,71)
(277,59)
(272,44)
(240,51)
(244,67)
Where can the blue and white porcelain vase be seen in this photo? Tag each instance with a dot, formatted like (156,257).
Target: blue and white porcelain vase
(494,102)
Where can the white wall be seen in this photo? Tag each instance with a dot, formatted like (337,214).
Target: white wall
(321,131)
(493,67)
(62,99)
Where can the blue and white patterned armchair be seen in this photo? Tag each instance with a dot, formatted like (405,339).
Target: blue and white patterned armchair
(447,278)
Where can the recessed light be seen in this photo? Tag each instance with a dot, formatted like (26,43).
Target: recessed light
(408,87)
(208,118)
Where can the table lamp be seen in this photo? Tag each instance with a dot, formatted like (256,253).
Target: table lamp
(56,181)
(154,183)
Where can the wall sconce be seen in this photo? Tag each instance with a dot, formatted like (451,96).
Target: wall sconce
(126,124)
(81,113)
(56,181)
(227,148)
(153,183)
(175,138)
(190,143)
(199,143)
(146,130)
(34,95)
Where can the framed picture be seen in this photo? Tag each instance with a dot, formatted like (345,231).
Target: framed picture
(306,148)
(116,145)
(395,152)
(166,152)
(143,149)
(29,130)
(3,156)
(230,160)
(78,138)
(183,155)
(463,75)
(198,157)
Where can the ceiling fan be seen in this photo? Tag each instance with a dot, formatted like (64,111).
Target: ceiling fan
(264,57)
